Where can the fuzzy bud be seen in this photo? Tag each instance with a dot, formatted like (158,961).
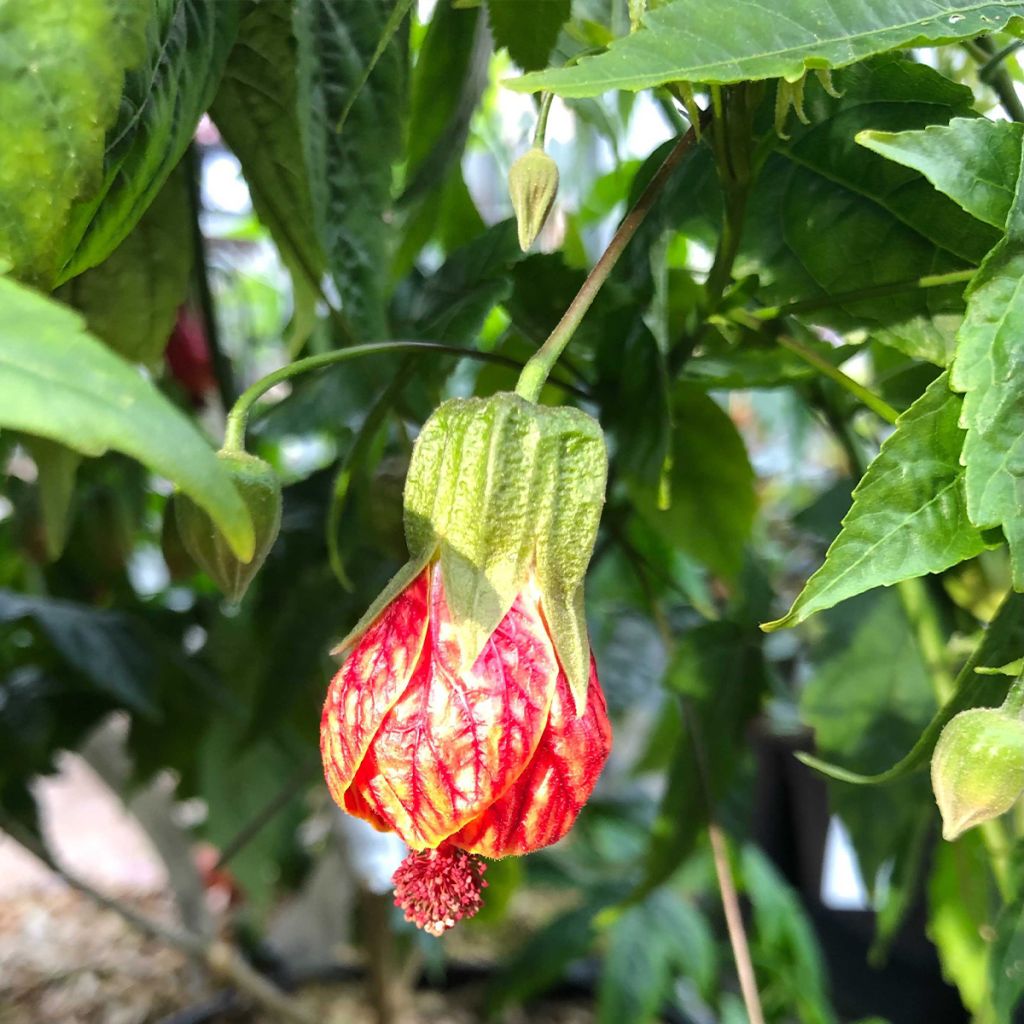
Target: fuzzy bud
(533,185)
(977,768)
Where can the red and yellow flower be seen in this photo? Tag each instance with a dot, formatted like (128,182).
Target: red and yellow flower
(468,717)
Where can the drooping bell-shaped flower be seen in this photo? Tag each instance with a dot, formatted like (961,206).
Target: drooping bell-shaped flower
(468,717)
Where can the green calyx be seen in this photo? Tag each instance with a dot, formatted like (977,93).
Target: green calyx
(260,489)
(500,491)
(978,768)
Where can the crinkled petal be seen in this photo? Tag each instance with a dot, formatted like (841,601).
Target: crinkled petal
(372,678)
(454,742)
(547,797)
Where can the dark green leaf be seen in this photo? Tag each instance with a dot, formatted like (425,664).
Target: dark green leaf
(256,110)
(740,40)
(187,44)
(1006,961)
(57,466)
(61,79)
(130,300)
(909,514)
(529,28)
(350,170)
(972,160)
(59,382)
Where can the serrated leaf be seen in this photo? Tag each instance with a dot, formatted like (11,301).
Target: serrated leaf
(59,382)
(909,513)
(350,170)
(187,43)
(744,40)
(972,160)
(713,501)
(1001,641)
(987,369)
(529,28)
(72,68)
(130,300)
(256,110)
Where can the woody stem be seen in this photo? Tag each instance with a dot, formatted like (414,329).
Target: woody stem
(540,365)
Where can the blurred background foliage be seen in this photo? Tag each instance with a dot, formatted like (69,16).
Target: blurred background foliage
(277,235)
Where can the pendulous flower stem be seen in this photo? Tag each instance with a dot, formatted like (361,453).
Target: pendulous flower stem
(540,365)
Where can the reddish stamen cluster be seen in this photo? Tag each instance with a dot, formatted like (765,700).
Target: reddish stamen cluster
(438,887)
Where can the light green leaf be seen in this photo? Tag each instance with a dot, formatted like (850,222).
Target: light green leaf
(350,170)
(741,40)
(909,513)
(256,110)
(959,901)
(972,160)
(61,74)
(58,382)
(711,485)
(130,300)
(529,28)
(1004,639)
(187,43)
(987,368)
(1006,961)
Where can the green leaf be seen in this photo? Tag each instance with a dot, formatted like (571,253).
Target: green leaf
(743,40)
(712,497)
(130,300)
(187,43)
(972,160)
(959,901)
(529,28)
(256,110)
(107,648)
(350,170)
(909,513)
(1006,961)
(792,972)
(1002,640)
(718,671)
(649,942)
(989,356)
(868,699)
(59,382)
(61,80)
(828,217)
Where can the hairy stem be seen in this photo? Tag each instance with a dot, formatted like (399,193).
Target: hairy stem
(540,365)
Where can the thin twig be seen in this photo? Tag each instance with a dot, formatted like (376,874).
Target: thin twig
(220,957)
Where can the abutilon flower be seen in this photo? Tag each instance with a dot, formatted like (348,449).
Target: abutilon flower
(468,717)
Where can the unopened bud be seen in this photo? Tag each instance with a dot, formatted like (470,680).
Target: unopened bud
(977,768)
(533,185)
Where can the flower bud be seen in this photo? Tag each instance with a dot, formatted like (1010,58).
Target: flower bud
(977,768)
(533,185)
(260,489)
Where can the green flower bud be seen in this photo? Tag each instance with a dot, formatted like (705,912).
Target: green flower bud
(533,185)
(260,489)
(505,494)
(977,768)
